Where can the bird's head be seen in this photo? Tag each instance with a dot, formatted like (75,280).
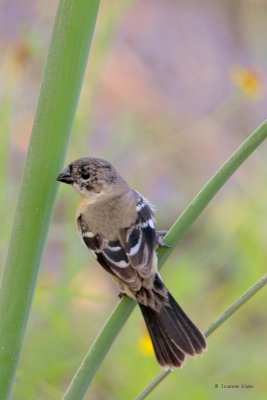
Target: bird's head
(92,177)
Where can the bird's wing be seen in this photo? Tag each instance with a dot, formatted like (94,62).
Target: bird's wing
(139,240)
(111,256)
(130,257)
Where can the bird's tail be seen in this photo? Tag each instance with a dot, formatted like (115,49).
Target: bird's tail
(172,333)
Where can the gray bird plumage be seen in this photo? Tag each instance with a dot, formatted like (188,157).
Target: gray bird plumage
(117,224)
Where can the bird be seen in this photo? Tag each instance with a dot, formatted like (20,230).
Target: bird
(117,224)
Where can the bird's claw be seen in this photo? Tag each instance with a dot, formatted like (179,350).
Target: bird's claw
(160,238)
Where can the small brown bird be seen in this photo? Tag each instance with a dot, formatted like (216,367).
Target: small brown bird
(117,224)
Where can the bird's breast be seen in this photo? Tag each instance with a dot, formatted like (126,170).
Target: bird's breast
(107,218)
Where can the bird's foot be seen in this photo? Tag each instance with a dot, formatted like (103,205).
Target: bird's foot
(160,238)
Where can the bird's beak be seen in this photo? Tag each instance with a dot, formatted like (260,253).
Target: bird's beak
(65,177)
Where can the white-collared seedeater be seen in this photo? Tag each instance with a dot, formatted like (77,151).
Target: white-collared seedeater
(117,224)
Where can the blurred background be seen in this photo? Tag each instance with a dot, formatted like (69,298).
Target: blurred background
(172,89)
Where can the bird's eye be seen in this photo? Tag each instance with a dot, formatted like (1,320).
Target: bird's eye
(85,175)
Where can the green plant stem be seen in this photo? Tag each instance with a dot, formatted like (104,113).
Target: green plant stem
(211,328)
(61,84)
(95,356)
(236,305)
(200,202)
(86,370)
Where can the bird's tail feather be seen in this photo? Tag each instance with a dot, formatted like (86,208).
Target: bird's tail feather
(172,333)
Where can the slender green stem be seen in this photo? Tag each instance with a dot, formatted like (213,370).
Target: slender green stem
(236,305)
(211,328)
(95,356)
(86,370)
(63,75)
(200,202)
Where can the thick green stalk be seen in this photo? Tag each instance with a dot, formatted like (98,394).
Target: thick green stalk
(103,343)
(211,328)
(63,75)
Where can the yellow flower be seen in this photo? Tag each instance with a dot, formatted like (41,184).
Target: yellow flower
(145,345)
(247,81)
